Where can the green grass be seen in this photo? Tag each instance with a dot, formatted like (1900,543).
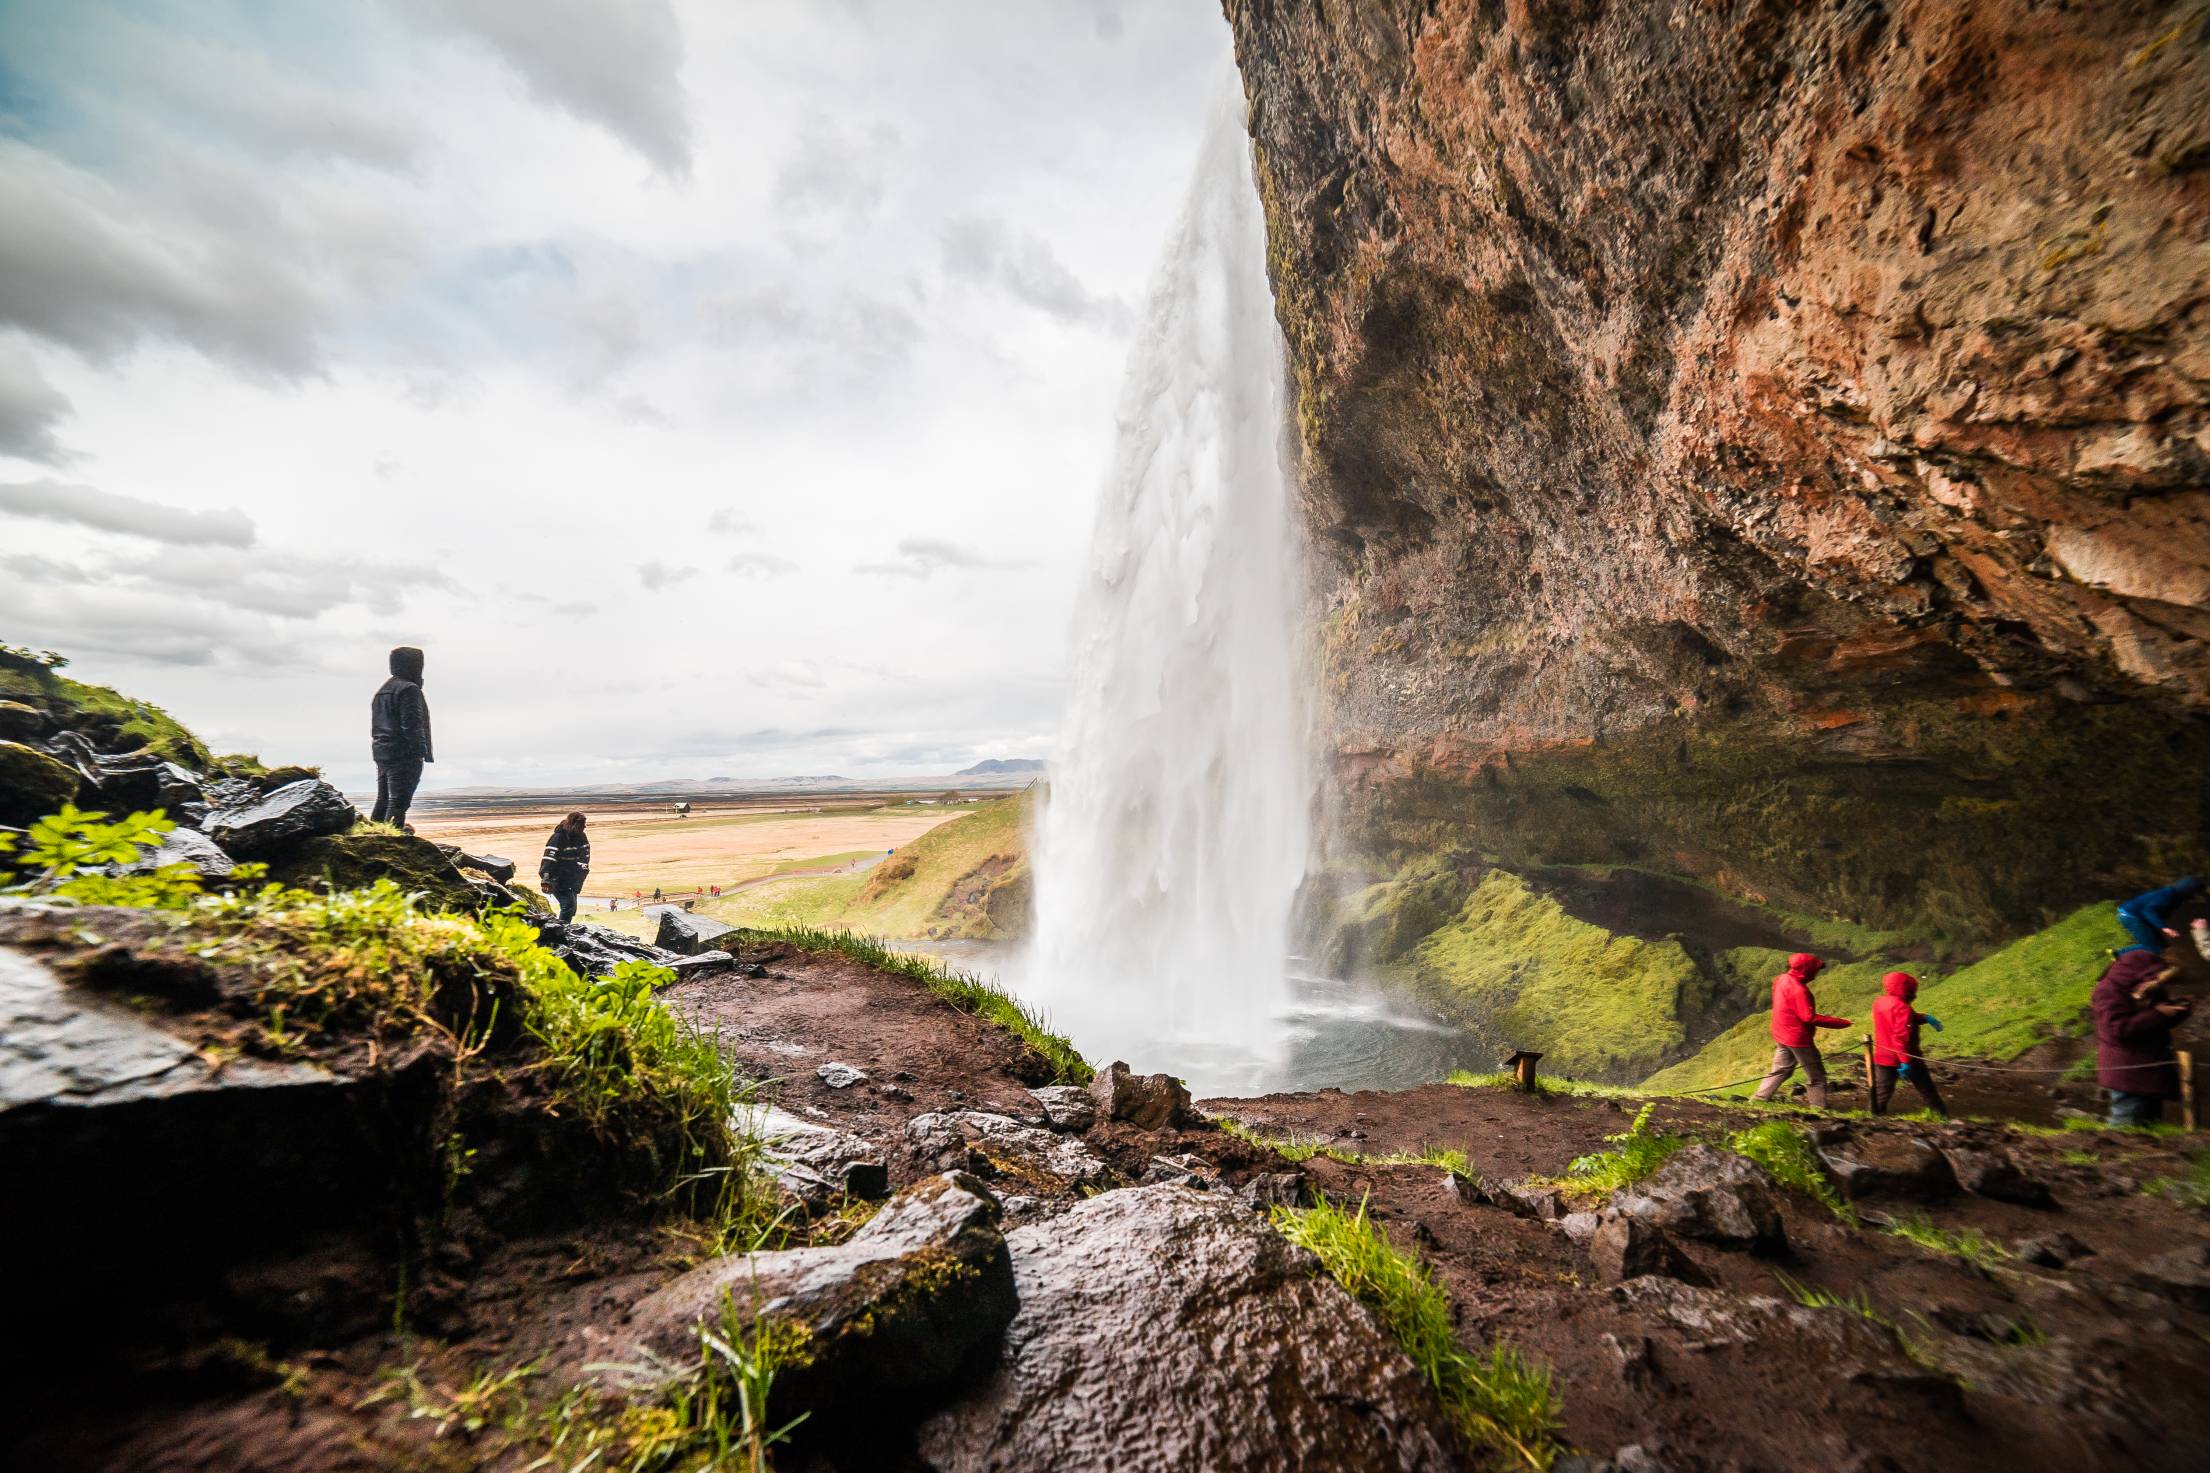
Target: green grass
(1784,1150)
(963,990)
(1636,1153)
(1967,1243)
(36,683)
(1547,1084)
(2191,1188)
(1302,1148)
(1859,1303)
(1502,1403)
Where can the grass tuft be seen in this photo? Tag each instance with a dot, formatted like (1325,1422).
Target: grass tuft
(1502,1402)
(1636,1153)
(1784,1150)
(1967,1243)
(1304,1148)
(963,990)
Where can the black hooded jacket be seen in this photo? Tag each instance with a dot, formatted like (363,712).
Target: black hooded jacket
(398,718)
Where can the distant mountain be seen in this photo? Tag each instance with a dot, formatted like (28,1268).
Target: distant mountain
(999,766)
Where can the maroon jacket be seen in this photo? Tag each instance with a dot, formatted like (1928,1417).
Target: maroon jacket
(2133,1041)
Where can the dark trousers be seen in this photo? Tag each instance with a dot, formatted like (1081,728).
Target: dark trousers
(1883,1088)
(566,900)
(395,785)
(2130,1109)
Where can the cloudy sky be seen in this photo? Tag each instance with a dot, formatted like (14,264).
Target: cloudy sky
(710,386)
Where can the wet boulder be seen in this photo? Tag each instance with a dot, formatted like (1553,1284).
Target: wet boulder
(1996,1174)
(840,1076)
(1164,1328)
(893,1315)
(1709,1195)
(136,782)
(704,964)
(491,865)
(685,934)
(32,784)
(307,809)
(1066,1107)
(1146,1101)
(363,856)
(595,951)
(23,723)
(999,1146)
(1522,1199)
(812,1162)
(183,846)
(1888,1164)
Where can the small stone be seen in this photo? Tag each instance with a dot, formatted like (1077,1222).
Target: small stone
(1626,1247)
(2051,1250)
(1274,1189)
(1580,1226)
(1710,1195)
(1067,1107)
(1542,1204)
(1146,1101)
(1998,1175)
(1635,1458)
(839,1076)
(1634,1357)
(1468,1189)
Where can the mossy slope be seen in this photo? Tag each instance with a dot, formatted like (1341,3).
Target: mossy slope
(964,880)
(85,707)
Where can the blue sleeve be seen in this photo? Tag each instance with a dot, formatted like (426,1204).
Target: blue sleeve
(2154,906)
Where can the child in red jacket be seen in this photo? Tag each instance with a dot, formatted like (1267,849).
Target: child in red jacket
(1796,1019)
(1895,1048)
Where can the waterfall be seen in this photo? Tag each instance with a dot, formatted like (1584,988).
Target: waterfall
(1174,837)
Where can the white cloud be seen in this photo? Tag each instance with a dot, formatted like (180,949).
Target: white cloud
(657,576)
(616,63)
(988,252)
(30,409)
(925,557)
(760,565)
(88,506)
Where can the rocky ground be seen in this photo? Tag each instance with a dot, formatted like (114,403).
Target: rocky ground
(1118,1297)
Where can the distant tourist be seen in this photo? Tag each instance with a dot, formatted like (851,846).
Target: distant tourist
(2134,1021)
(567,863)
(399,737)
(1796,1021)
(1895,1047)
(2144,916)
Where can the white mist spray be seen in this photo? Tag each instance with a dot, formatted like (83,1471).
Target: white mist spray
(1175,836)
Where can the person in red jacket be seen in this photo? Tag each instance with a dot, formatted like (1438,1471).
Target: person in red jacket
(2134,1020)
(1796,1021)
(1895,1048)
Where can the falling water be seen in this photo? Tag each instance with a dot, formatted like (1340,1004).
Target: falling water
(1174,838)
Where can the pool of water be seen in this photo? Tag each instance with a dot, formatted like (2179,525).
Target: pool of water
(1328,1032)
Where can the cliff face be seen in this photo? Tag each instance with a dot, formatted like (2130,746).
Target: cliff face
(1764,442)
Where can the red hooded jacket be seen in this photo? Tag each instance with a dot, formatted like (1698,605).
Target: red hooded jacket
(1895,1022)
(1796,1017)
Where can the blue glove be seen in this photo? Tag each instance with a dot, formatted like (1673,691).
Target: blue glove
(1903,1070)
(1932,1022)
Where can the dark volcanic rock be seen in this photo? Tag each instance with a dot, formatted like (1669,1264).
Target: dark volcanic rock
(2051,1250)
(183,846)
(307,809)
(363,856)
(1710,1195)
(1996,1174)
(496,867)
(595,951)
(703,964)
(1885,1164)
(1627,1247)
(684,933)
(890,1316)
(1707,475)
(21,723)
(1164,1328)
(1147,1101)
(139,781)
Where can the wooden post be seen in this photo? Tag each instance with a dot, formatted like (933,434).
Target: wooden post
(2186,1090)
(1522,1065)
(1527,1081)
(1868,1071)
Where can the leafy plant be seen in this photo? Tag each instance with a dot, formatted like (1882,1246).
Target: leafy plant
(1502,1401)
(1636,1153)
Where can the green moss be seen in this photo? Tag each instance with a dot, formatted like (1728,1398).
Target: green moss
(349,861)
(1530,976)
(1965,830)
(32,784)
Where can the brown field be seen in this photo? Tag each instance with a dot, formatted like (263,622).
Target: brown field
(635,847)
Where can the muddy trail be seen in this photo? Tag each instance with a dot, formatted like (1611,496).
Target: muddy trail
(2075,1332)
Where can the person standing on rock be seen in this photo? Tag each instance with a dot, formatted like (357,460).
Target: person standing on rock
(1895,1045)
(566,865)
(399,737)
(2134,1021)
(1796,1021)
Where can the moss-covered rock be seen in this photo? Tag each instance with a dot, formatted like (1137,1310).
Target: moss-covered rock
(350,860)
(32,784)
(112,721)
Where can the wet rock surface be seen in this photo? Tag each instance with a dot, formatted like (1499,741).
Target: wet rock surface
(595,951)
(1066,1107)
(307,809)
(816,1162)
(1710,1195)
(687,934)
(1997,1174)
(1889,1167)
(1146,1101)
(896,1313)
(1001,1147)
(1163,1328)
(184,846)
